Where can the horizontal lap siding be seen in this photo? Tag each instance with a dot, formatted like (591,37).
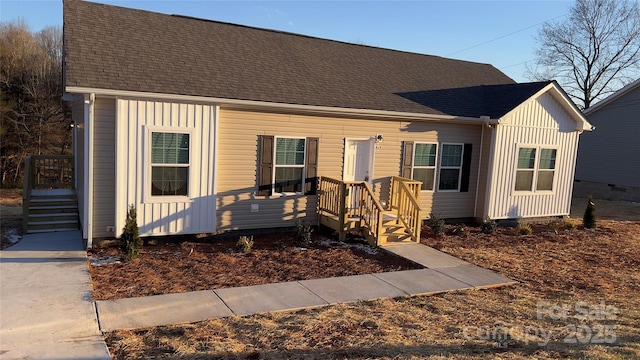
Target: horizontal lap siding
(237,161)
(104,167)
(609,154)
(158,216)
(540,122)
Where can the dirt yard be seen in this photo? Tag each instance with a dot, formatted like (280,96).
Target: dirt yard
(211,264)
(10,216)
(577,298)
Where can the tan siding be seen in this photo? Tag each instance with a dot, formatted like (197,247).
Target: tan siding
(157,215)
(104,167)
(238,147)
(77,114)
(539,122)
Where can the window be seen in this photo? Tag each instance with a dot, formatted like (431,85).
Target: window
(424,164)
(450,167)
(451,173)
(289,165)
(169,164)
(527,172)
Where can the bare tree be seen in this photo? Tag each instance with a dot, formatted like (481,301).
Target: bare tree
(33,117)
(593,52)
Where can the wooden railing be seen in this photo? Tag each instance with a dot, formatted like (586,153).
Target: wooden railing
(45,172)
(413,185)
(345,205)
(371,213)
(408,210)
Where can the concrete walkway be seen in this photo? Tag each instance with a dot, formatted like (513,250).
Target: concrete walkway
(46,307)
(443,273)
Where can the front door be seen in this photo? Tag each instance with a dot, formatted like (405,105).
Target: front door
(358,160)
(358,163)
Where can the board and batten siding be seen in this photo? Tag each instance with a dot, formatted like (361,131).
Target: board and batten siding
(158,215)
(237,163)
(104,166)
(540,122)
(77,115)
(609,155)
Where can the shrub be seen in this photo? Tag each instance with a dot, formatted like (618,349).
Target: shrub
(302,231)
(489,226)
(589,218)
(570,224)
(245,244)
(130,241)
(436,224)
(524,229)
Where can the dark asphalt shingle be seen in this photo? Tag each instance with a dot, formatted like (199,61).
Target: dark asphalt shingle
(110,47)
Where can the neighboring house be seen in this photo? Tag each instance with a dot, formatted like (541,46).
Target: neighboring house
(608,164)
(210,127)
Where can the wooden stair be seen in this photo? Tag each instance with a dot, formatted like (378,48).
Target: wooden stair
(393,230)
(51,210)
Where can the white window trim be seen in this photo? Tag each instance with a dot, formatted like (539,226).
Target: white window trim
(434,167)
(146,177)
(536,170)
(459,168)
(275,166)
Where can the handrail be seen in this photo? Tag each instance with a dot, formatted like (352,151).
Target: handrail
(26,192)
(409,211)
(414,185)
(51,171)
(371,212)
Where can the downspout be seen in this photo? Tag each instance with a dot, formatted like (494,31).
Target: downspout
(490,173)
(88,166)
(475,205)
(216,137)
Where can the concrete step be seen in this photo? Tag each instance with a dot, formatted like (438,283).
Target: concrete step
(52,209)
(34,231)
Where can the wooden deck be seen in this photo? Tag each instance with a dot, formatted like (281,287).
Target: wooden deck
(346,206)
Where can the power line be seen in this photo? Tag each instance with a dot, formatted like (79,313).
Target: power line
(504,36)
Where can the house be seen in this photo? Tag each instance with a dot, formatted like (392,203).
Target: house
(608,166)
(209,127)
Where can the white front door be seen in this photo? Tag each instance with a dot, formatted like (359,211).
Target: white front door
(358,160)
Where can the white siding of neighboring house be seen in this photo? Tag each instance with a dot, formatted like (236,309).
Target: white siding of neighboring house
(164,215)
(543,122)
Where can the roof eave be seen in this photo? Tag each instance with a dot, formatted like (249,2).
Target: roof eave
(609,99)
(265,105)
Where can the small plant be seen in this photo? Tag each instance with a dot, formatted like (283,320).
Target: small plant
(436,224)
(130,241)
(245,244)
(589,218)
(461,231)
(570,224)
(489,226)
(302,231)
(524,229)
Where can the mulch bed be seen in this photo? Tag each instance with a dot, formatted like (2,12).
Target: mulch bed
(209,263)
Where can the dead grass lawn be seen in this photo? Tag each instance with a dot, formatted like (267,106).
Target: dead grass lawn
(587,268)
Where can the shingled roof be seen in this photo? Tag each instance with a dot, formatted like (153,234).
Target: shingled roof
(110,47)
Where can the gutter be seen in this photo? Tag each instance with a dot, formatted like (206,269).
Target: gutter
(253,104)
(89,102)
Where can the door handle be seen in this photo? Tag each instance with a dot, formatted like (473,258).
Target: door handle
(366,178)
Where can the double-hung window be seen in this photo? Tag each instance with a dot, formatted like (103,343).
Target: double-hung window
(450,167)
(424,164)
(289,165)
(169,164)
(535,166)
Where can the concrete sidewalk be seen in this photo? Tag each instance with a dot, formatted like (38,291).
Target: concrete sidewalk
(46,307)
(443,273)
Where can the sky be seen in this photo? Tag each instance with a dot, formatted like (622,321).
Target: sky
(500,33)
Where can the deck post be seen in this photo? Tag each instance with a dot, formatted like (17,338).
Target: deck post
(342,217)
